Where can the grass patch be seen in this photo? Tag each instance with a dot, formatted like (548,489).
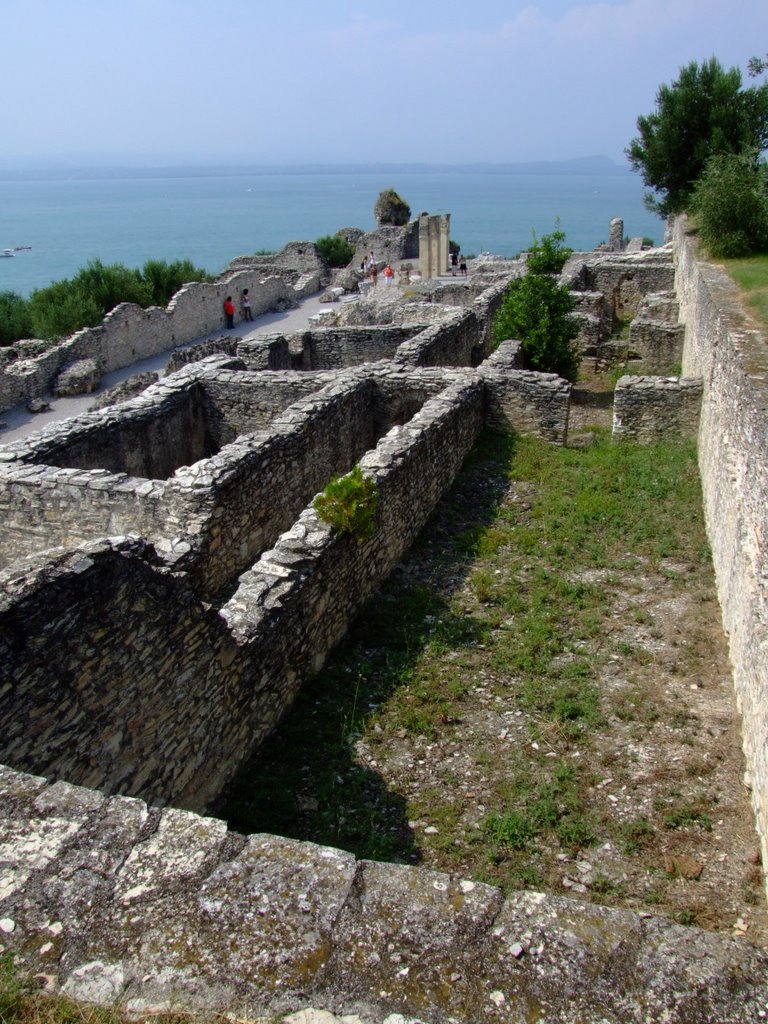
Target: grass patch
(751,275)
(457,723)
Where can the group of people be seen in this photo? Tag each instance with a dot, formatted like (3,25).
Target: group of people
(459,261)
(370,269)
(245,308)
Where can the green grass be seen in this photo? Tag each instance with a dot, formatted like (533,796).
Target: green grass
(751,275)
(526,625)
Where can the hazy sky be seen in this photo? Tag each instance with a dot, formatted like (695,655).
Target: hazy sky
(275,81)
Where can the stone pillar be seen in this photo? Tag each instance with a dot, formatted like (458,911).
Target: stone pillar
(434,232)
(616,235)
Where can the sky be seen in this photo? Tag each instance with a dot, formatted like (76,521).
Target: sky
(341,81)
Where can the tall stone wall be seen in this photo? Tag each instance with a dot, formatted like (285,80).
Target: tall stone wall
(730,354)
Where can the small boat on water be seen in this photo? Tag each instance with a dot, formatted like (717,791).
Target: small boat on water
(7,252)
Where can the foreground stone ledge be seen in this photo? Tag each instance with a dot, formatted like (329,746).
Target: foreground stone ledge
(114,902)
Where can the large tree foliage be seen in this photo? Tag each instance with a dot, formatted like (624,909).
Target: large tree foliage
(730,202)
(704,113)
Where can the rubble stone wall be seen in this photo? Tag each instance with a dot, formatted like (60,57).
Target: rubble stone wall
(454,342)
(164,696)
(648,409)
(730,354)
(129,333)
(162,909)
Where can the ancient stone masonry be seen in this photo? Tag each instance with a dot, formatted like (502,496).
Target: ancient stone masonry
(609,288)
(434,232)
(129,333)
(730,354)
(115,901)
(649,408)
(656,334)
(198,688)
(188,589)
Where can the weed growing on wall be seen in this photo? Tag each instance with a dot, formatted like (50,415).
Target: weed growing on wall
(349,504)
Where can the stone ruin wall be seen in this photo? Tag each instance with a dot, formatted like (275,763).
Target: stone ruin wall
(199,686)
(729,353)
(116,902)
(108,898)
(651,408)
(130,333)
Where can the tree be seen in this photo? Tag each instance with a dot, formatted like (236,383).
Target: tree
(757,65)
(704,113)
(536,311)
(391,208)
(15,319)
(730,202)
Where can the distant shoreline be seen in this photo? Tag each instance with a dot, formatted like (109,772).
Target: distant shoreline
(18,169)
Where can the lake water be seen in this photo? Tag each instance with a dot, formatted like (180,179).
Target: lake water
(210,220)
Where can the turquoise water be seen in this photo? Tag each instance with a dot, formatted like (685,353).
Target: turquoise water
(210,220)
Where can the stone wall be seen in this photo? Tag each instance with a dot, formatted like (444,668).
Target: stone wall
(727,350)
(456,341)
(117,675)
(648,409)
(116,902)
(525,401)
(622,278)
(655,335)
(130,333)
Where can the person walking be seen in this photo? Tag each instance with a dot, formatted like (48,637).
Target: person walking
(229,312)
(245,305)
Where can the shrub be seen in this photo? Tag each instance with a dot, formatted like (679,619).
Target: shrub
(549,255)
(60,309)
(536,311)
(349,504)
(335,250)
(15,318)
(730,202)
(164,279)
(84,300)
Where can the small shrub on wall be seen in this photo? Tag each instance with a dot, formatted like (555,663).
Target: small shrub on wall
(349,504)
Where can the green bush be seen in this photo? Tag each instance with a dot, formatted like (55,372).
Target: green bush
(61,309)
(15,319)
(349,504)
(549,255)
(730,202)
(165,279)
(84,300)
(536,311)
(335,250)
